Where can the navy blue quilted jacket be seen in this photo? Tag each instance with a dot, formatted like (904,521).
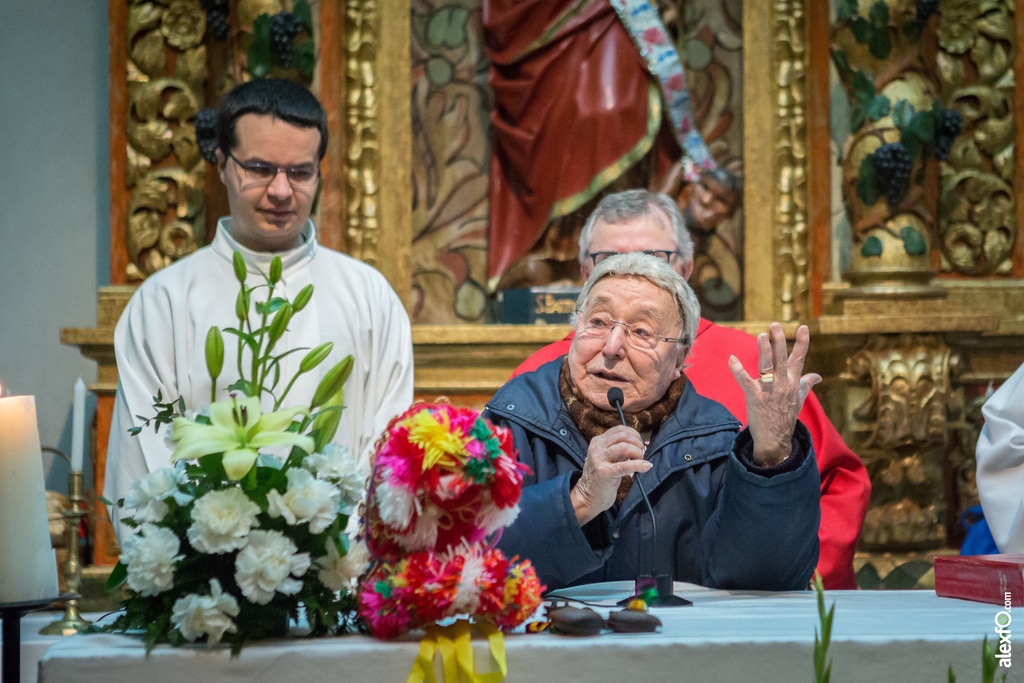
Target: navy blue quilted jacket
(722,522)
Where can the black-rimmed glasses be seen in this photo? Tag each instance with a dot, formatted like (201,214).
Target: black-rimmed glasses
(662,254)
(262,172)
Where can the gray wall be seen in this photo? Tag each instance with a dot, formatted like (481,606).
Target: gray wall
(54,207)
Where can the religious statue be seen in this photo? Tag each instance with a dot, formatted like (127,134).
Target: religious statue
(588,99)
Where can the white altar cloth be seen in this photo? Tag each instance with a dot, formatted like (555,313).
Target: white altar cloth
(725,636)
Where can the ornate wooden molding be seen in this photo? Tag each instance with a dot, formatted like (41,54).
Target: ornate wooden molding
(158,176)
(792,235)
(975,69)
(777,268)
(378,138)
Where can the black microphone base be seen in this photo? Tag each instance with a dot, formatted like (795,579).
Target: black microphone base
(663,584)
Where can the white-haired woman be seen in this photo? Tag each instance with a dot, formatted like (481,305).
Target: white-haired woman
(733,509)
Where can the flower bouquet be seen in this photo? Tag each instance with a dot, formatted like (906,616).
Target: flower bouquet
(230,541)
(444,482)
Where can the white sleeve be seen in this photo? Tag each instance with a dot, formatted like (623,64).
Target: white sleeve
(145,365)
(1000,456)
(393,365)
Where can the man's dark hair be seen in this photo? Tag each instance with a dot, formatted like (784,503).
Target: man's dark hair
(275,97)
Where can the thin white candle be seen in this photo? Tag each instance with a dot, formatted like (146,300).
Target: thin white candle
(28,566)
(78,427)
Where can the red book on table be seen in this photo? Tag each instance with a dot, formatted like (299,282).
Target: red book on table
(995,579)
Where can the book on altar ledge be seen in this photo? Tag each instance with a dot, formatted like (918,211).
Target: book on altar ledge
(996,579)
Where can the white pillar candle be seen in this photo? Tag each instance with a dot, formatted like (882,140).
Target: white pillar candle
(28,565)
(78,426)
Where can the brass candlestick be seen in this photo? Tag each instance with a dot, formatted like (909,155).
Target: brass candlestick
(72,622)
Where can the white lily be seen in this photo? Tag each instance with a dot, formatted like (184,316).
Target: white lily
(238,430)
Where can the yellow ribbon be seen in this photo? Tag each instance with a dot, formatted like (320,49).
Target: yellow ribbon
(454,644)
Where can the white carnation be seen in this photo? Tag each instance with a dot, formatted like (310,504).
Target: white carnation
(210,615)
(305,500)
(338,466)
(149,557)
(339,573)
(148,495)
(267,565)
(222,520)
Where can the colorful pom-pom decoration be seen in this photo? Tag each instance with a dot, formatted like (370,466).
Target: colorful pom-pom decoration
(445,482)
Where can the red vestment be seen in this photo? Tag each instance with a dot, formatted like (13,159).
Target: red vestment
(845,487)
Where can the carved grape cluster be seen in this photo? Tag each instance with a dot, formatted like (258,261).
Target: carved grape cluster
(892,168)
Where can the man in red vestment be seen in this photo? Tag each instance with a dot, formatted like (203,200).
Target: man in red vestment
(637,220)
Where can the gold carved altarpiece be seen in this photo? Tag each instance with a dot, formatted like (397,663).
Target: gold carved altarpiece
(902,369)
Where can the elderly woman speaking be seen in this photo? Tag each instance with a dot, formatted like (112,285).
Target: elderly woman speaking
(733,509)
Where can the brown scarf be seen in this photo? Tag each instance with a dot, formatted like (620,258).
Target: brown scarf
(593,421)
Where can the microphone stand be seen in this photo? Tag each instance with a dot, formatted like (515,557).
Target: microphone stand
(662,583)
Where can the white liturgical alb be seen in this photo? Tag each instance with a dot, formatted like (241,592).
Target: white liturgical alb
(161,336)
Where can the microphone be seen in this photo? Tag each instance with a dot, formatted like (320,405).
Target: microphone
(662,582)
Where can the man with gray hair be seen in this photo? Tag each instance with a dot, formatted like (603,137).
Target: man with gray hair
(733,509)
(638,220)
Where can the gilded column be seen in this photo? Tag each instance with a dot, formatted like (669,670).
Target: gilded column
(790,211)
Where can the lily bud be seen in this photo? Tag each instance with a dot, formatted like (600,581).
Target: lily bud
(315,357)
(214,352)
(239,266)
(332,382)
(280,323)
(303,298)
(275,269)
(241,305)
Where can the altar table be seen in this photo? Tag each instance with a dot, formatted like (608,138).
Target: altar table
(725,636)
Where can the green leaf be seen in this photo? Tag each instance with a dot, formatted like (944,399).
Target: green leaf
(858,115)
(952,678)
(841,62)
(878,107)
(268,307)
(259,50)
(846,9)
(922,126)
(911,142)
(861,29)
(913,242)
(863,86)
(301,10)
(240,385)
(880,44)
(117,577)
(305,57)
(872,247)
(879,14)
(867,183)
(988,662)
(902,112)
